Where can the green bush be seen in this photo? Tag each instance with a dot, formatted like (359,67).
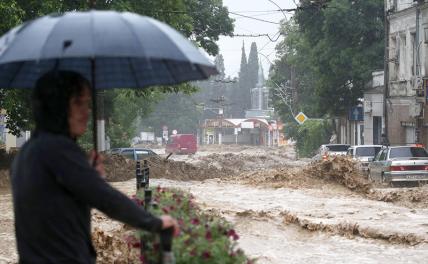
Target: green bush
(203,239)
(311,135)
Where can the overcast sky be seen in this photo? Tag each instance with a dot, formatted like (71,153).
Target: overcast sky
(230,48)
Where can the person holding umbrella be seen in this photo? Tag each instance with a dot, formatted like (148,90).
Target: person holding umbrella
(55,186)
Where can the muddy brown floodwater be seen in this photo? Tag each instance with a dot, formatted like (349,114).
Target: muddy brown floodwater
(284,210)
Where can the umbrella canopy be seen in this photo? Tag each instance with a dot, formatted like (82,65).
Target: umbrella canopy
(111,49)
(129,51)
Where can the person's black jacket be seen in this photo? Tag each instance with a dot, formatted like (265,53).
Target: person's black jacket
(54,187)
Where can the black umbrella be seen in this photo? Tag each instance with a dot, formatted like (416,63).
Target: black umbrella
(112,49)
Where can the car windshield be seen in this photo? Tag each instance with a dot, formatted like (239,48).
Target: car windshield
(338,147)
(367,151)
(141,154)
(407,152)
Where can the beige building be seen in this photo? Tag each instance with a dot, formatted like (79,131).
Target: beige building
(407,119)
(373,110)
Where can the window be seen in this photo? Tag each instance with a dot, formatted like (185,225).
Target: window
(337,147)
(141,154)
(408,152)
(413,54)
(128,153)
(367,151)
(383,155)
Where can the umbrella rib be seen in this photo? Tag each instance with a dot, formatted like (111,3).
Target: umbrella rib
(169,38)
(133,33)
(48,37)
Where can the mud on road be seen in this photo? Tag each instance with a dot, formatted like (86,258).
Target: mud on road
(282,208)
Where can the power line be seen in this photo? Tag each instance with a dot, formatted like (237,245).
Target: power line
(278,7)
(258,35)
(258,15)
(255,18)
(267,43)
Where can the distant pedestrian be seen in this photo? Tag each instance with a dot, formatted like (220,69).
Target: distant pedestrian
(55,186)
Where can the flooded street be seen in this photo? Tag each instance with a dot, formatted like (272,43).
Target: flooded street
(258,215)
(303,219)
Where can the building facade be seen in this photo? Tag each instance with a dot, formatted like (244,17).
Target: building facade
(407,64)
(373,110)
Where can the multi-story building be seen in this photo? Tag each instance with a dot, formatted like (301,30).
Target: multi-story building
(407,62)
(373,110)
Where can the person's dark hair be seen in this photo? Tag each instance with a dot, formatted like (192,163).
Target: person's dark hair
(51,100)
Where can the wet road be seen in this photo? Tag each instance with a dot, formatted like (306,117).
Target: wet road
(258,215)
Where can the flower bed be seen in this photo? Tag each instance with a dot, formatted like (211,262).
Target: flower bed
(204,238)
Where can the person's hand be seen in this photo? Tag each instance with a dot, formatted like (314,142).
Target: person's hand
(96,160)
(168,221)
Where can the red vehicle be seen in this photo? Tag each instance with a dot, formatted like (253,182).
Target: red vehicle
(182,144)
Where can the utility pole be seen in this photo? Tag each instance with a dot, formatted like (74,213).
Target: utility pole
(386,68)
(418,121)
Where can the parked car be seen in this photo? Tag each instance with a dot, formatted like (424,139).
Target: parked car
(400,164)
(181,144)
(133,153)
(364,154)
(327,150)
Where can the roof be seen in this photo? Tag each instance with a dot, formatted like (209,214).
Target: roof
(235,122)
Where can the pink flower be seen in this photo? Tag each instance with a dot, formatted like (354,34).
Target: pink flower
(136,244)
(208,235)
(132,241)
(142,259)
(165,210)
(206,255)
(180,222)
(195,221)
(231,232)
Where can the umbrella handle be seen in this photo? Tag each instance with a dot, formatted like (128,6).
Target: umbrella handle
(94,107)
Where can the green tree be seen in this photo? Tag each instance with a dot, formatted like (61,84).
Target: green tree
(347,40)
(252,67)
(201,21)
(331,47)
(184,117)
(241,96)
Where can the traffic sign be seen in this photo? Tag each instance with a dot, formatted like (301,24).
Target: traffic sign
(301,118)
(356,113)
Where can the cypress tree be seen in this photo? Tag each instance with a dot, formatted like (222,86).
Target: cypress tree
(252,67)
(241,96)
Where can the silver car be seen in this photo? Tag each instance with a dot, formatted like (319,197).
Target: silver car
(327,150)
(398,164)
(364,154)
